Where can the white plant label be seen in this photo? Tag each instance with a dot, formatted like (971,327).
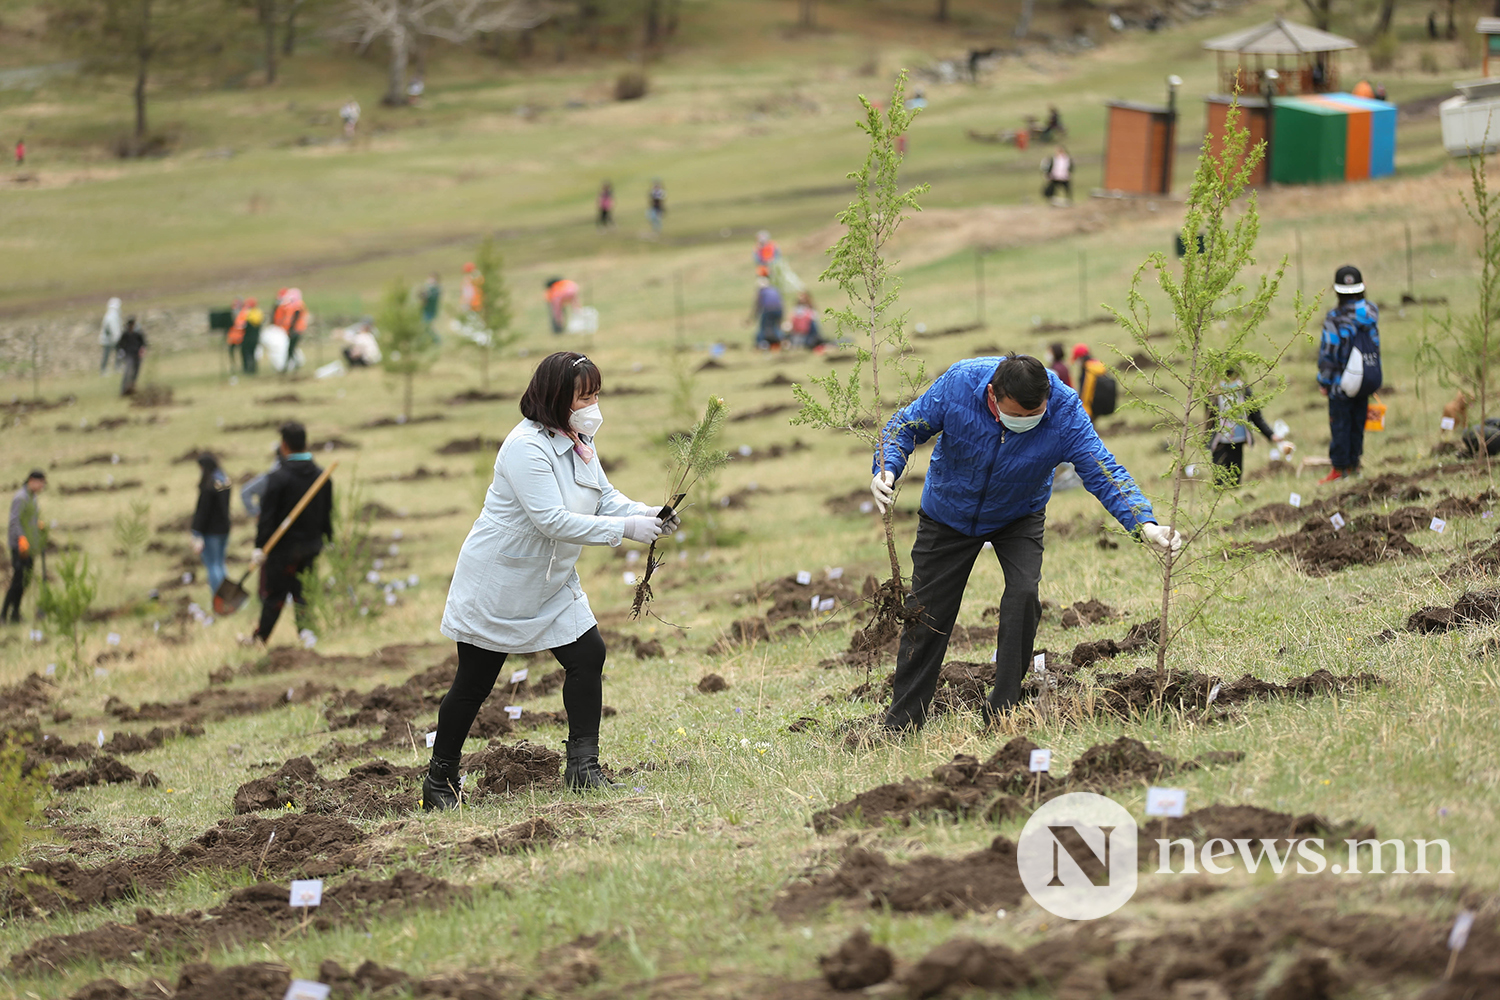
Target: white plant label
(306,989)
(1213,694)
(993,656)
(629,578)
(837,573)
(1459,935)
(632,557)
(1166,801)
(1039,662)
(291,695)
(431,739)
(1337,521)
(36,635)
(1041,760)
(306,892)
(867,507)
(1295,500)
(113,639)
(514,711)
(1446,423)
(101,672)
(517,676)
(804,577)
(1438,524)
(826,604)
(51,670)
(100,738)
(813,604)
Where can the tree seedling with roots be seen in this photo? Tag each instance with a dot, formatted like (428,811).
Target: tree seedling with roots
(407,343)
(488,329)
(1467,347)
(690,457)
(863,272)
(1211,347)
(66,604)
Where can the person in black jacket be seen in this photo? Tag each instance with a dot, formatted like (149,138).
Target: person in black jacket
(131,349)
(280,571)
(211,519)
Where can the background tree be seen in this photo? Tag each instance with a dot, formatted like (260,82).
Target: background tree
(1321,10)
(1211,343)
(407,346)
(66,603)
(402,24)
(139,38)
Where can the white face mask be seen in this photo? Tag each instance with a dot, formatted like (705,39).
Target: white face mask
(587,421)
(1021,424)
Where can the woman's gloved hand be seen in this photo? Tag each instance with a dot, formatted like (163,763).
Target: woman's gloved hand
(639,528)
(671,524)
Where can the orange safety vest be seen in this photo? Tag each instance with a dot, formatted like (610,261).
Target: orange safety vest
(291,317)
(236,333)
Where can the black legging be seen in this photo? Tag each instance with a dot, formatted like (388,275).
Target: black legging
(583,691)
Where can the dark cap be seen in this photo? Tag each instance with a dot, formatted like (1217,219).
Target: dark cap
(36,474)
(1348,281)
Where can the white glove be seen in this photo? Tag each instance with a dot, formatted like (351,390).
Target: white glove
(671,524)
(1163,537)
(197,545)
(639,528)
(883,487)
(257,558)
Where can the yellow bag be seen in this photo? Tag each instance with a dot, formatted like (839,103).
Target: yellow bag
(1375,416)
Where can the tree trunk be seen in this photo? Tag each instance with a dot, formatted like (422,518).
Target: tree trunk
(395,92)
(1387,9)
(140,101)
(1451,32)
(1023,26)
(941,14)
(269,24)
(653,23)
(672,11)
(806,15)
(289,37)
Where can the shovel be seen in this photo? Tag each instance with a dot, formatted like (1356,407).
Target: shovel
(231,595)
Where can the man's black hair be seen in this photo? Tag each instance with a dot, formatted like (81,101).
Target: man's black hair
(294,436)
(1023,379)
(36,474)
(549,398)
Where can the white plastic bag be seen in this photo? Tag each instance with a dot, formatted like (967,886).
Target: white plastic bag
(585,319)
(1354,373)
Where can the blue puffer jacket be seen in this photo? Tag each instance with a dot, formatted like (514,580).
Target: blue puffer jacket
(983,476)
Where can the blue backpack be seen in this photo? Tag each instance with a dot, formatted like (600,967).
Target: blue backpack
(1362,375)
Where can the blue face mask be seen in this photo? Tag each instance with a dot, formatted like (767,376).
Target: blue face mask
(1021,424)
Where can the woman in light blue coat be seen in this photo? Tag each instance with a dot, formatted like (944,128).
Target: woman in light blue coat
(515,588)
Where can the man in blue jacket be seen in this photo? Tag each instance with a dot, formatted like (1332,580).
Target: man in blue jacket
(1351,327)
(1005,424)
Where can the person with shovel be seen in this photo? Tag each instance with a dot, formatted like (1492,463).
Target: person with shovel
(515,587)
(23,537)
(1005,424)
(298,546)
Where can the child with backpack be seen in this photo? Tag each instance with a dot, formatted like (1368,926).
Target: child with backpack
(1349,370)
(1228,416)
(1096,387)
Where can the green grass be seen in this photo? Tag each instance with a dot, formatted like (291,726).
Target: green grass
(680,873)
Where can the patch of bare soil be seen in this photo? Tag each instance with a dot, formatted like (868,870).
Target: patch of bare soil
(1319,550)
(982,881)
(857,963)
(1140,636)
(304,846)
(1272,513)
(25,698)
(283,659)
(84,488)
(768,453)
(790,599)
(418,475)
(1130,694)
(1089,612)
(103,770)
(769,410)
(139,743)
(506,769)
(479,396)
(1473,608)
(1128,761)
(468,446)
(1483,563)
(401,421)
(255,913)
(377,788)
(528,835)
(741,633)
(1245,822)
(212,705)
(712,684)
(859,503)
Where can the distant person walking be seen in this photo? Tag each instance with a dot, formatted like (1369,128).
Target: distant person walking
(1058,169)
(515,586)
(1057,361)
(290,313)
(250,335)
(21,152)
(432,298)
(656,205)
(23,537)
(471,289)
(606,206)
(281,571)
(562,295)
(132,348)
(767,308)
(1349,370)
(349,114)
(210,525)
(109,336)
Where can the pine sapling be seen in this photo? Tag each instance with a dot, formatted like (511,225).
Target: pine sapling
(1209,361)
(66,604)
(691,457)
(859,266)
(407,345)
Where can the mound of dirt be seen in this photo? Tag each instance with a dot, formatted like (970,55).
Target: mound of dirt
(790,599)
(282,659)
(1090,612)
(102,770)
(22,702)
(857,963)
(479,396)
(377,788)
(1319,550)
(1274,513)
(1473,608)
(1244,822)
(137,743)
(1139,637)
(979,882)
(1129,694)
(401,421)
(528,835)
(741,633)
(712,684)
(1128,761)
(507,769)
(1385,487)
(303,846)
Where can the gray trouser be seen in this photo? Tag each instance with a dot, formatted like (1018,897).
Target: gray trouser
(942,560)
(108,351)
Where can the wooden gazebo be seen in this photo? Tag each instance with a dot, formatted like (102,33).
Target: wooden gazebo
(1303,57)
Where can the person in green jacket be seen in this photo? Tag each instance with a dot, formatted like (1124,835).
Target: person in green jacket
(23,537)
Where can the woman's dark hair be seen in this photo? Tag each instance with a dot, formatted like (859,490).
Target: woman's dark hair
(549,398)
(294,436)
(209,464)
(1059,352)
(1023,379)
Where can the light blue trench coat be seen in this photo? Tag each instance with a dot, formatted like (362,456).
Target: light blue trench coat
(515,588)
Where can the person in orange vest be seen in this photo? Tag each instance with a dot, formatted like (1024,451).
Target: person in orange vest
(291,315)
(1363,89)
(766,250)
(235,335)
(471,291)
(562,294)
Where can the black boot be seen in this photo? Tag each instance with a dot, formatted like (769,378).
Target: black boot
(440,787)
(583,772)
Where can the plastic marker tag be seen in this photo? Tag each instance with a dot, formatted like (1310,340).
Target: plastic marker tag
(113,639)
(804,577)
(36,635)
(100,738)
(517,676)
(514,711)
(51,670)
(837,573)
(826,604)
(1041,760)
(1459,935)
(813,604)
(306,989)
(1446,423)
(633,557)
(993,658)
(101,672)
(1166,801)
(306,892)
(1039,662)
(1213,694)
(1337,521)
(431,739)
(1438,524)
(291,695)
(1295,500)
